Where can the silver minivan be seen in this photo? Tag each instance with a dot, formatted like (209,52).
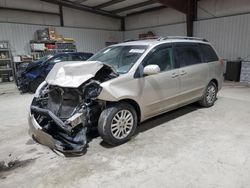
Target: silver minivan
(121,86)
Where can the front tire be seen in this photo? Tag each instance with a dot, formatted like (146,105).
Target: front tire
(209,96)
(117,123)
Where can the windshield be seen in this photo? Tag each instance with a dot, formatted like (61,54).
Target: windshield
(122,58)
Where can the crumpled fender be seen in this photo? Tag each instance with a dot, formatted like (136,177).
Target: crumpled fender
(122,87)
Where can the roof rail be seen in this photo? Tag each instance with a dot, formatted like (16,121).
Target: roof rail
(145,38)
(182,37)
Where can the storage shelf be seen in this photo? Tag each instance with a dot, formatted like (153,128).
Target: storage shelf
(4,50)
(7,59)
(7,69)
(53,42)
(58,50)
(6,62)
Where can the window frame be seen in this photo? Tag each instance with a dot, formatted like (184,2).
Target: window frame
(176,58)
(204,53)
(140,68)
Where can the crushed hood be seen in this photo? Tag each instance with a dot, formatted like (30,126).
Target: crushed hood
(73,74)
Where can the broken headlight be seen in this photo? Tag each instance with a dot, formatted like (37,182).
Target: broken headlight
(40,88)
(92,90)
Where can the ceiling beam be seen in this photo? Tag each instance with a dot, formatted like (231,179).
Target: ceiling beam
(107,4)
(81,7)
(31,11)
(135,6)
(146,10)
(180,5)
(79,1)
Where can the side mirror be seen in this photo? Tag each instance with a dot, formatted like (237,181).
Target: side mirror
(151,69)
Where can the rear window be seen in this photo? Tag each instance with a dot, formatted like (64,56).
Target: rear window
(208,53)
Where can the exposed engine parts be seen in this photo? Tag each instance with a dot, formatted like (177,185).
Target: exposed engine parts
(66,113)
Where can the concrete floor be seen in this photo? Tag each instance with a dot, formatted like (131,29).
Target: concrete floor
(189,147)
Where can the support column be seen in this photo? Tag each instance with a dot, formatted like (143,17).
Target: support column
(191,16)
(61,16)
(188,7)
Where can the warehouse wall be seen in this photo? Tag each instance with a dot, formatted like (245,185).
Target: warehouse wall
(162,23)
(29,17)
(168,30)
(88,40)
(229,35)
(72,17)
(77,18)
(154,18)
(218,8)
(77,23)
(224,22)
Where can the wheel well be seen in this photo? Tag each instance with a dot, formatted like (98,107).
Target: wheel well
(215,81)
(135,105)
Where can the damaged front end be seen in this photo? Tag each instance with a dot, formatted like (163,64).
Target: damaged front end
(60,116)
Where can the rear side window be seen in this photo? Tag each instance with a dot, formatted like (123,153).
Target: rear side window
(208,53)
(187,54)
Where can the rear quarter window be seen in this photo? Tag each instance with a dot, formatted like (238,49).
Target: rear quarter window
(208,53)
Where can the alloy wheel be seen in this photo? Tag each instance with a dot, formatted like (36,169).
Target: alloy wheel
(122,124)
(211,94)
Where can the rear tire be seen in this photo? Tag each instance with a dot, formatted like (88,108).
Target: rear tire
(35,83)
(117,123)
(209,96)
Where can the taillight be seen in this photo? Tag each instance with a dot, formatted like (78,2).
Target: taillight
(222,62)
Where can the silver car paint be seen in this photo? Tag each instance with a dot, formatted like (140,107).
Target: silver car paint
(73,74)
(154,94)
(165,91)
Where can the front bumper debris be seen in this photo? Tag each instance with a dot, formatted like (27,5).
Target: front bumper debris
(60,142)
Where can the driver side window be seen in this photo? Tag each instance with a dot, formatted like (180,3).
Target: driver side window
(161,57)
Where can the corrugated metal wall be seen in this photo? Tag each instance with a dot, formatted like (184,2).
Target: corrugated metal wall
(174,29)
(89,40)
(154,19)
(229,35)
(81,19)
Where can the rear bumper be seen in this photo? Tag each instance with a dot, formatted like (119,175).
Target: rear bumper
(42,137)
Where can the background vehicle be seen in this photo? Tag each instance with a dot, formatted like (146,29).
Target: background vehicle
(121,86)
(37,71)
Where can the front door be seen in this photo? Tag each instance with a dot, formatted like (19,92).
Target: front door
(159,91)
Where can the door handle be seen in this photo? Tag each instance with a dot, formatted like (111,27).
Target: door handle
(174,75)
(183,73)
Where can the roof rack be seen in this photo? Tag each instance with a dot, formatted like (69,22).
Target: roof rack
(167,38)
(141,39)
(182,37)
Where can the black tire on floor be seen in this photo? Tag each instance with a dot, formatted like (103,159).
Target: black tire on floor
(35,83)
(205,102)
(109,116)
